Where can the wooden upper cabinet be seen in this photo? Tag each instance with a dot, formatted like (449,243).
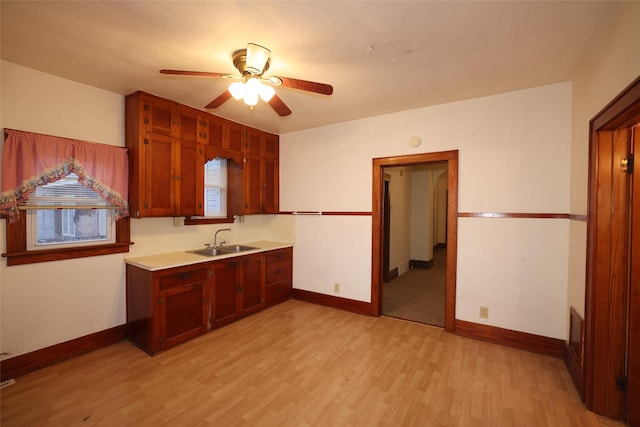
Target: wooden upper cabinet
(159,177)
(187,126)
(253,142)
(168,145)
(166,157)
(261,173)
(190,180)
(236,136)
(271,146)
(216,131)
(156,114)
(224,134)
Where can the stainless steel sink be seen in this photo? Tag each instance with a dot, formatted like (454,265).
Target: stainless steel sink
(235,248)
(222,250)
(208,252)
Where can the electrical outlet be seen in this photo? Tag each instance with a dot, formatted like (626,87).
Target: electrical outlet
(484,312)
(336,287)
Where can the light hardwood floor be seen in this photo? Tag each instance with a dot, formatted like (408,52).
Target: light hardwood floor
(299,364)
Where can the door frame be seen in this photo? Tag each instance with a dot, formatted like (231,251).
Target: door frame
(598,377)
(451,157)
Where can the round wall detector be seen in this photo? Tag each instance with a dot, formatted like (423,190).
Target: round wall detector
(415,141)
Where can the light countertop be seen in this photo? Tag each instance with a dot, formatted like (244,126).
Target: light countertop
(179,259)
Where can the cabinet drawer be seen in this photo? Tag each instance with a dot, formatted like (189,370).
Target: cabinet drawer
(278,271)
(279,255)
(183,278)
(278,293)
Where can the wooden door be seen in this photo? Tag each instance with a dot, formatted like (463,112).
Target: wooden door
(253,142)
(182,314)
(252,283)
(190,180)
(270,203)
(183,303)
(235,136)
(612,306)
(159,194)
(225,293)
(158,115)
(633,371)
(188,127)
(252,185)
(216,137)
(609,277)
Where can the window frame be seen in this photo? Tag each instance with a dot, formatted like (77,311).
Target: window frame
(234,187)
(17,253)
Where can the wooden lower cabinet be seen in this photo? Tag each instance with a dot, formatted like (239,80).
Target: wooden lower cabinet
(238,288)
(278,276)
(168,307)
(225,293)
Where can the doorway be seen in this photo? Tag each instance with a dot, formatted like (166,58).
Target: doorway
(612,303)
(414,253)
(378,218)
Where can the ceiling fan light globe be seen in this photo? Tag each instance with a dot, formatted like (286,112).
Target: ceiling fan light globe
(266,93)
(237,90)
(251,98)
(253,85)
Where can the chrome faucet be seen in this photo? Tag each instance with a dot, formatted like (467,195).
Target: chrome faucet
(215,237)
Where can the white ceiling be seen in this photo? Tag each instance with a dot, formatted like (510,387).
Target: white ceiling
(380,56)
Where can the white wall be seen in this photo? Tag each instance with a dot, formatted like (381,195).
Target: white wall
(514,156)
(48,303)
(612,65)
(400,228)
(421,214)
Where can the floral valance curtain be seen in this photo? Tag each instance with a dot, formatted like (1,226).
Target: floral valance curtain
(32,159)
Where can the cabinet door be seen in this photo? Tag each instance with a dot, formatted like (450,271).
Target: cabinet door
(160,176)
(187,125)
(270,146)
(158,115)
(215,126)
(236,136)
(253,142)
(225,293)
(270,186)
(183,306)
(252,279)
(252,185)
(190,180)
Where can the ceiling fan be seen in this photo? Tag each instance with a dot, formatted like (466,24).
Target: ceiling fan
(252,63)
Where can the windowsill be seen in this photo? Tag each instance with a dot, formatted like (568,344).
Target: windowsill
(200,221)
(30,257)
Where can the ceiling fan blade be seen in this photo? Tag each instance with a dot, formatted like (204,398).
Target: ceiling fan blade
(279,106)
(221,99)
(195,73)
(305,85)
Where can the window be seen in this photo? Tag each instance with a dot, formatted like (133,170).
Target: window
(62,198)
(59,225)
(215,188)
